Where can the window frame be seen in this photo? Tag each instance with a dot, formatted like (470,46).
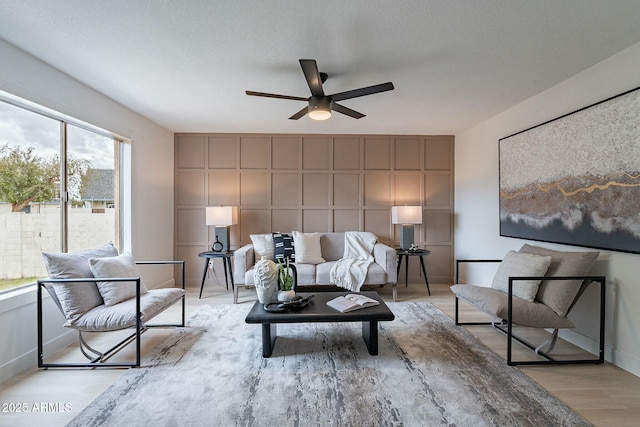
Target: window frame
(23,294)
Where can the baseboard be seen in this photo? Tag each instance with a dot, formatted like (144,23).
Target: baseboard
(626,361)
(29,360)
(621,359)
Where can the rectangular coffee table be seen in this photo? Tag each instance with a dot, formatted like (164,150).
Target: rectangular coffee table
(319,312)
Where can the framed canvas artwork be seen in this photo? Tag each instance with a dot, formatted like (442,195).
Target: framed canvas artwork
(576,179)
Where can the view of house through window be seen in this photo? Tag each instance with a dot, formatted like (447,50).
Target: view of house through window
(35,194)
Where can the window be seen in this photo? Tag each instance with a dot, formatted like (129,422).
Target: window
(51,205)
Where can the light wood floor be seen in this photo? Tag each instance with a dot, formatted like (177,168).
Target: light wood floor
(604,394)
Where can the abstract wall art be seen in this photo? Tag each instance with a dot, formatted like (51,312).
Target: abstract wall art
(576,179)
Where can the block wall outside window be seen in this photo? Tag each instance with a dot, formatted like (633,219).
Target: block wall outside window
(315,183)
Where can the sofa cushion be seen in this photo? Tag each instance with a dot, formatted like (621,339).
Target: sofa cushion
(375,275)
(332,245)
(283,247)
(495,303)
(560,294)
(306,273)
(263,246)
(75,299)
(116,267)
(307,248)
(323,272)
(521,264)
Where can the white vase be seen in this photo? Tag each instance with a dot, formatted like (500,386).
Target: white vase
(265,277)
(284,296)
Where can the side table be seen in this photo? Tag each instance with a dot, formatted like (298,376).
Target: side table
(226,262)
(405,253)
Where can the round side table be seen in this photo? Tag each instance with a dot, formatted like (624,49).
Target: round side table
(405,253)
(226,262)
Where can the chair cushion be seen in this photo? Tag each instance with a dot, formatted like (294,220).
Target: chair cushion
(115,267)
(308,249)
(123,315)
(263,246)
(521,264)
(75,299)
(560,294)
(495,303)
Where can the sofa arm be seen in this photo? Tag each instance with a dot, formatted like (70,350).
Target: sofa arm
(243,261)
(385,257)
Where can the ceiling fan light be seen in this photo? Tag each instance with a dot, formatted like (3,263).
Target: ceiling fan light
(319,108)
(319,114)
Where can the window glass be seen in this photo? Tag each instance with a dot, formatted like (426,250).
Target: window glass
(29,194)
(91,183)
(32,191)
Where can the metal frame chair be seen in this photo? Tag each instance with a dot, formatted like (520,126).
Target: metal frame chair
(550,343)
(98,358)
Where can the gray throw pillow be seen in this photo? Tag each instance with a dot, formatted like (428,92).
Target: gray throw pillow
(115,267)
(518,264)
(76,298)
(559,294)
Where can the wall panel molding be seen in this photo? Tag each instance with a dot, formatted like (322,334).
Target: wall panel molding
(316,183)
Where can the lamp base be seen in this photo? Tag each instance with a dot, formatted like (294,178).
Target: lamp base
(406,236)
(222,237)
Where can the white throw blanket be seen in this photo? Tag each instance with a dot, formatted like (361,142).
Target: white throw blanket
(350,271)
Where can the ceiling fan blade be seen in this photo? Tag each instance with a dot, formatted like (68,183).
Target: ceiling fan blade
(311,73)
(273,95)
(300,113)
(347,111)
(363,91)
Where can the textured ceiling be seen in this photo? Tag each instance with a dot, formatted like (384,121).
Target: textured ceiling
(454,63)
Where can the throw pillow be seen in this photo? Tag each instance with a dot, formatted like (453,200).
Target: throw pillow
(559,294)
(76,298)
(308,250)
(283,247)
(262,246)
(119,266)
(521,264)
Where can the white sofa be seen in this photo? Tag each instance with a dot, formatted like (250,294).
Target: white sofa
(382,271)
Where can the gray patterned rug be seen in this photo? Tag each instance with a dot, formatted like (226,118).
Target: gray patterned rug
(429,372)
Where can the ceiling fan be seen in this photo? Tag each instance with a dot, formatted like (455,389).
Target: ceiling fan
(320,105)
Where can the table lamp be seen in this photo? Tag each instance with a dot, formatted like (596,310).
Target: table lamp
(221,217)
(406,216)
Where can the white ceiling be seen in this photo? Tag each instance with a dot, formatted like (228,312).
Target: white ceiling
(454,63)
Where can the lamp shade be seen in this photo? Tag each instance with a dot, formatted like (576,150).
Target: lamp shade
(222,215)
(406,214)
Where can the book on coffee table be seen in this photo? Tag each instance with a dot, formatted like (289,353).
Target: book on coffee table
(351,302)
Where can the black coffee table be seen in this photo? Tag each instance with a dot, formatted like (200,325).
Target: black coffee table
(319,312)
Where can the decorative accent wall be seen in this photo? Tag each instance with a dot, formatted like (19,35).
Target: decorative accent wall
(285,182)
(576,179)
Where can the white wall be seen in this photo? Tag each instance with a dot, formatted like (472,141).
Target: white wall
(152,180)
(476,200)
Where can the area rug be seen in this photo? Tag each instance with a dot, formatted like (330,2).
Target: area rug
(428,372)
